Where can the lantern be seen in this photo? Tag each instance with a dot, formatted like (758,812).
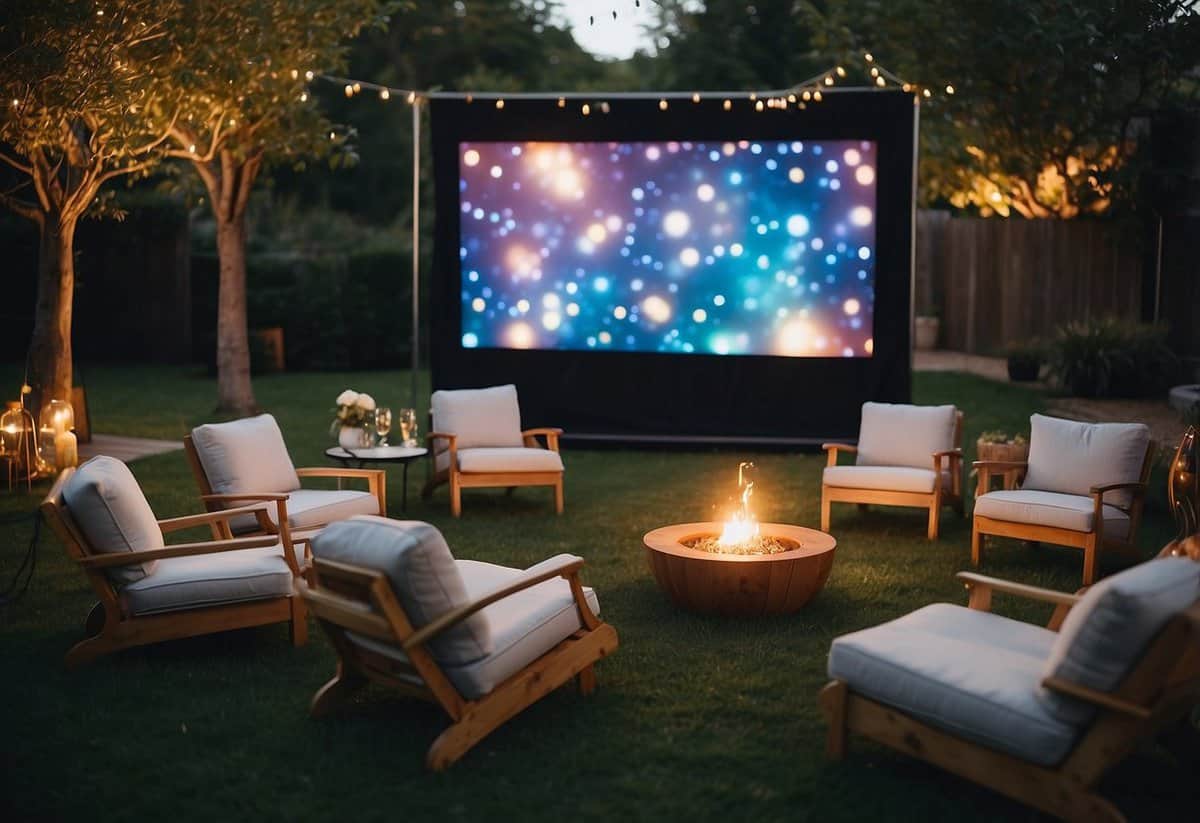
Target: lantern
(59,446)
(19,444)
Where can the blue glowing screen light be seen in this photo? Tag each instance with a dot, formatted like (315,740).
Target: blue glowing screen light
(749,247)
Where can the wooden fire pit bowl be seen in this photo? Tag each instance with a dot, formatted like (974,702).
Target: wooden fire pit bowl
(744,585)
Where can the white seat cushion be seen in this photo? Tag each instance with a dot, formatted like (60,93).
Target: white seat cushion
(509,460)
(308,508)
(106,502)
(246,455)
(423,574)
(1108,631)
(973,674)
(478,417)
(524,626)
(896,434)
(1070,457)
(1060,511)
(209,579)
(885,478)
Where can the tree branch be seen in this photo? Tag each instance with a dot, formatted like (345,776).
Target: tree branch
(16,164)
(26,210)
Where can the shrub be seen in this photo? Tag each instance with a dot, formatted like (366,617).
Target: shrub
(1113,358)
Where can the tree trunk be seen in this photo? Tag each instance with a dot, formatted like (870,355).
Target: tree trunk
(50,347)
(235,395)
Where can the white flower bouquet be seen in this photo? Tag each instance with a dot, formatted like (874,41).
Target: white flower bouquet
(354,410)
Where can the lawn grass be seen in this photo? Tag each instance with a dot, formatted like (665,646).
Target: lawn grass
(695,717)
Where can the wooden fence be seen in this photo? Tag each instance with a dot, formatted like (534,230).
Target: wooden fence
(997,281)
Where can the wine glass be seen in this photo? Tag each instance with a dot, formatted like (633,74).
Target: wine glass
(408,426)
(383,423)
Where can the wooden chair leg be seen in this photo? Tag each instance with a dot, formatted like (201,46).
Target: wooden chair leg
(976,544)
(298,627)
(935,512)
(825,507)
(558,496)
(335,692)
(1089,562)
(587,680)
(456,741)
(455,497)
(833,701)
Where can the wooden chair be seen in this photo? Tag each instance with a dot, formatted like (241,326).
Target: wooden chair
(120,621)
(1160,688)
(1091,502)
(247,461)
(377,639)
(907,456)
(477,442)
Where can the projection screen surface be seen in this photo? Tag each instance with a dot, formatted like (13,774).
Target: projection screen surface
(760,247)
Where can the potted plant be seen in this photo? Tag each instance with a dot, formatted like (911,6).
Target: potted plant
(1025,361)
(352,419)
(925,331)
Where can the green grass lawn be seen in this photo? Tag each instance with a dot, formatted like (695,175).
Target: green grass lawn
(695,717)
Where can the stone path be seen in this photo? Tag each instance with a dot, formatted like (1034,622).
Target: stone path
(127,449)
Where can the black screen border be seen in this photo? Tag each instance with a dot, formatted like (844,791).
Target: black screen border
(648,396)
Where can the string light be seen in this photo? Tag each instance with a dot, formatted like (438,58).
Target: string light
(662,104)
(295,74)
(949,89)
(870,58)
(303,97)
(727,105)
(308,75)
(874,71)
(349,90)
(829,79)
(604,107)
(695,97)
(500,103)
(384,94)
(470,99)
(806,95)
(879,81)
(357,88)
(586,109)
(817,95)
(841,72)
(562,102)
(412,98)
(758,106)
(927,93)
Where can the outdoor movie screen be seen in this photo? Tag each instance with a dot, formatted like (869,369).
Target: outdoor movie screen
(751,247)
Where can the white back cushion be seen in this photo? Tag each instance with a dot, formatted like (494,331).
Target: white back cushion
(246,455)
(479,417)
(108,506)
(1107,631)
(895,434)
(417,561)
(1070,457)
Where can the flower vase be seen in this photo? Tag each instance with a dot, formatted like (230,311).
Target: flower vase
(353,437)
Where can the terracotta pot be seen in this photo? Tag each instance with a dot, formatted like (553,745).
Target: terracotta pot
(926,332)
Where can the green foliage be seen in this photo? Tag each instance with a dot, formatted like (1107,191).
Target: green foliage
(1042,89)
(338,310)
(80,101)
(1113,358)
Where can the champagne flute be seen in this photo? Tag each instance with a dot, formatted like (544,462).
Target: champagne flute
(408,426)
(383,423)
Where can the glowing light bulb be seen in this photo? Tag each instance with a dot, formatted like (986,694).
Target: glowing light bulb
(500,103)
(870,58)
(949,89)
(303,97)
(295,74)
(308,75)
(758,106)
(357,88)
(817,95)
(879,81)
(349,90)
(695,97)
(829,79)
(585,109)
(384,94)
(562,102)
(841,72)
(412,98)
(727,105)
(807,95)
(662,104)
(926,93)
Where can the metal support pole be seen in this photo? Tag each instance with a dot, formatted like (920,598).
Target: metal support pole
(416,245)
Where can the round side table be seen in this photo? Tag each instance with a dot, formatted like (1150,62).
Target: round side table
(366,458)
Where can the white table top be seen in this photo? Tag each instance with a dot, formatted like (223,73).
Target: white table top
(381,453)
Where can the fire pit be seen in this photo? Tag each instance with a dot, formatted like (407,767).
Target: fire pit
(740,567)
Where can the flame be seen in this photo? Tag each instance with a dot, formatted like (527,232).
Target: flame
(743,525)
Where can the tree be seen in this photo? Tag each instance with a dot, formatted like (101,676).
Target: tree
(243,83)
(77,81)
(1049,96)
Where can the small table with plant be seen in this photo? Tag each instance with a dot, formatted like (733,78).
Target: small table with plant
(999,446)
(361,428)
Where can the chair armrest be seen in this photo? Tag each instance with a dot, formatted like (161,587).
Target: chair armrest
(229,498)
(1000,465)
(332,471)
(981,588)
(1137,486)
(450,438)
(832,450)
(1102,699)
(551,435)
(174,524)
(111,559)
(567,568)
(953,454)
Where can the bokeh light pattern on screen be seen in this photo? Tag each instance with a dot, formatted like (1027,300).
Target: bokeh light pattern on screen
(748,247)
